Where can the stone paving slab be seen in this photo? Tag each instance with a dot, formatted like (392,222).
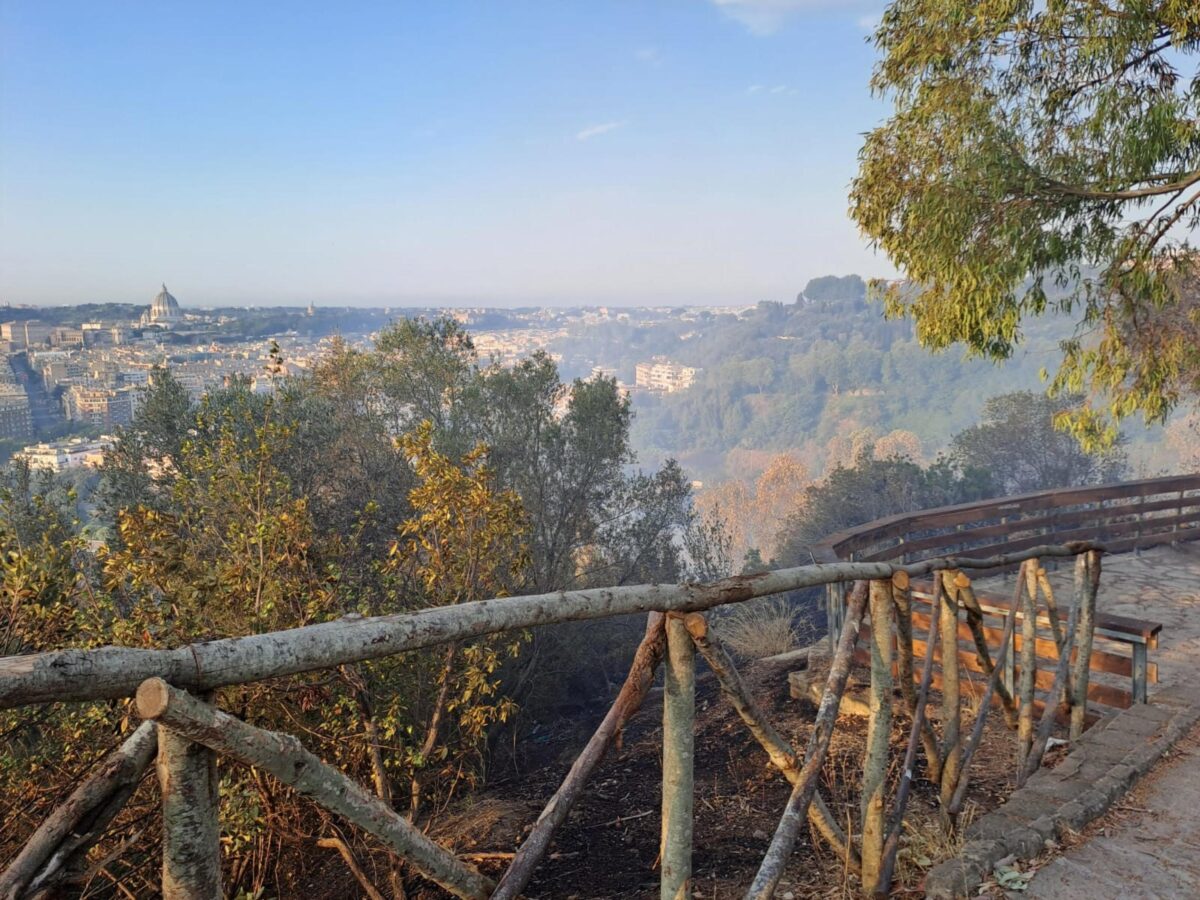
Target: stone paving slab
(1160,856)
(1151,855)
(1104,764)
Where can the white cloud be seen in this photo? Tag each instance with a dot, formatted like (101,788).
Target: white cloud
(778,90)
(592,131)
(765,17)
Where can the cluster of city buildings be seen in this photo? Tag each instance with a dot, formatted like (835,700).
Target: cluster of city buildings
(16,421)
(94,374)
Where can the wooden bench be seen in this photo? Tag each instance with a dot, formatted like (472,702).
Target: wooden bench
(1114,633)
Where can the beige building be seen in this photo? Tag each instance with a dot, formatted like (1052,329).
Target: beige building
(73,453)
(663,375)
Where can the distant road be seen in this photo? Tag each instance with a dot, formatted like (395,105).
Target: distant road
(43,409)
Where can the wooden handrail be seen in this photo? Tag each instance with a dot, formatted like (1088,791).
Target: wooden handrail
(1018,514)
(113,672)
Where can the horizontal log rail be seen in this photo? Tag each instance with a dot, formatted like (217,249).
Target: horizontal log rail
(173,686)
(107,673)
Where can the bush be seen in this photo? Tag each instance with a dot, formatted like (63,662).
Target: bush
(759,628)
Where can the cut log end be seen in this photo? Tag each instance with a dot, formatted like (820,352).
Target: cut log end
(900,580)
(153,695)
(696,625)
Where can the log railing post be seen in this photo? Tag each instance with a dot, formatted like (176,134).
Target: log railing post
(946,608)
(1141,666)
(1028,660)
(284,757)
(187,776)
(679,711)
(879,729)
(1087,582)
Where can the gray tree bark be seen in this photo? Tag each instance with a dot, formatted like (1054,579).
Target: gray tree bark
(74,826)
(110,672)
(679,711)
(282,756)
(191,854)
(879,730)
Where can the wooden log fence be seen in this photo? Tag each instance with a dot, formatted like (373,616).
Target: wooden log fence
(189,733)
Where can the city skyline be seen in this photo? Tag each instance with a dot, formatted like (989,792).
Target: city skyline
(460,155)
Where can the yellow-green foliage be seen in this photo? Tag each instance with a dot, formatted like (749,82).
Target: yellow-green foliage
(234,550)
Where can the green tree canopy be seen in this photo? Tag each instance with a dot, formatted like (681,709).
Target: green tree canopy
(1017,444)
(1045,157)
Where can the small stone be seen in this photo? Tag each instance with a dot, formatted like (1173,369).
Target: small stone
(759,835)
(789,896)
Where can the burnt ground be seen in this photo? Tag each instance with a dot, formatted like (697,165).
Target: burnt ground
(608,846)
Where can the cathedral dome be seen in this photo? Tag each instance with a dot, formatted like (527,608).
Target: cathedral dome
(164,310)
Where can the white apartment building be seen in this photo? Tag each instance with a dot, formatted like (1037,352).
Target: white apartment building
(663,375)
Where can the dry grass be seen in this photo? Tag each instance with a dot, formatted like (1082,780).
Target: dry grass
(759,628)
(925,843)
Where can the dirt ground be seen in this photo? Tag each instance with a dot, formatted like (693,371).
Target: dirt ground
(609,845)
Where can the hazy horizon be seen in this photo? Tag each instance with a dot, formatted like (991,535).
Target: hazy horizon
(464,154)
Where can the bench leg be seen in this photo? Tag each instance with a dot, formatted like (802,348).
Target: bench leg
(1140,674)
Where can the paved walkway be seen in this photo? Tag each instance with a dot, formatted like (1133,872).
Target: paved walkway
(1149,846)
(1136,854)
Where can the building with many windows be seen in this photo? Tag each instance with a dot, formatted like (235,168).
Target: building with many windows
(663,375)
(15,420)
(72,453)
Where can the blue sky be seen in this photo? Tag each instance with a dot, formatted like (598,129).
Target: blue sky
(489,153)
